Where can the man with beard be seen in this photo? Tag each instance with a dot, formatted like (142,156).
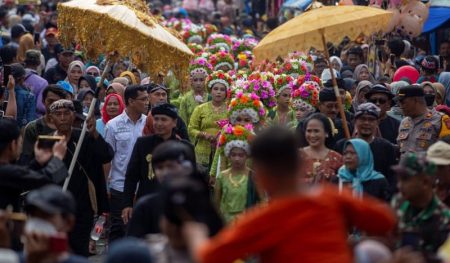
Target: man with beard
(366,128)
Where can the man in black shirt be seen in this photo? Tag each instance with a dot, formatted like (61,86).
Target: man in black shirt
(59,71)
(384,153)
(46,168)
(139,168)
(382,97)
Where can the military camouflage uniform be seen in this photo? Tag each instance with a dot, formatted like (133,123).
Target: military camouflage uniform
(424,230)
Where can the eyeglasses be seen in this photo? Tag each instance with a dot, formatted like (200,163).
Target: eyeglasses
(378,101)
(144,99)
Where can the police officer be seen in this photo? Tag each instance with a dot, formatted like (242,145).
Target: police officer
(421,127)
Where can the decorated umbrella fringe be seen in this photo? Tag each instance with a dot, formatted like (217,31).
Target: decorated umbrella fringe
(100,33)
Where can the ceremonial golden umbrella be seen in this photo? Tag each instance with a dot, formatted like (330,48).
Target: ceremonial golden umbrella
(317,27)
(126,28)
(332,22)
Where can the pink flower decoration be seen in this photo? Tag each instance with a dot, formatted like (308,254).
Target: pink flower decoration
(249,126)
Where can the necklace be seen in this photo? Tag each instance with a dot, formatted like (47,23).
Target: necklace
(238,183)
(218,110)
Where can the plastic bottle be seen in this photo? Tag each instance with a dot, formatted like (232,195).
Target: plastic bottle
(98,228)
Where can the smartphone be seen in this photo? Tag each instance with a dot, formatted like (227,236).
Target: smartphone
(37,37)
(58,243)
(6,73)
(441,62)
(47,142)
(392,59)
(4,105)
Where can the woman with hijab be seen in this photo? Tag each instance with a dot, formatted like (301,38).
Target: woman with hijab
(115,88)
(358,171)
(440,93)
(362,73)
(130,76)
(336,63)
(93,71)
(444,79)
(112,107)
(430,94)
(74,73)
(86,82)
(360,94)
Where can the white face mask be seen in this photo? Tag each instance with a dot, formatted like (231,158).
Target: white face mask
(38,225)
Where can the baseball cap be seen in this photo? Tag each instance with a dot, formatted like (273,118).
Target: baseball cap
(412,164)
(439,153)
(430,62)
(51,199)
(51,31)
(410,91)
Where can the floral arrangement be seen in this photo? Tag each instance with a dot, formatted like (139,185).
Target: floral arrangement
(246,103)
(294,68)
(263,75)
(200,65)
(263,89)
(193,34)
(178,24)
(282,82)
(195,48)
(220,40)
(306,95)
(242,45)
(243,61)
(219,77)
(309,78)
(209,29)
(222,58)
(348,101)
(301,56)
(235,137)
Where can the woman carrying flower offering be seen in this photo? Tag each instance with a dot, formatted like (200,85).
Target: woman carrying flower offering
(203,126)
(222,60)
(234,190)
(245,110)
(282,114)
(199,70)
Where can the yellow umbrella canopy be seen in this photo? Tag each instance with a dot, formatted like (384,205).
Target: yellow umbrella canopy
(334,22)
(124,27)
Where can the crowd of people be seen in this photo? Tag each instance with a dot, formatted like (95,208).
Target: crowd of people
(240,162)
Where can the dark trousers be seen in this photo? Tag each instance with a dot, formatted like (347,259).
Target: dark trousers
(117,230)
(79,237)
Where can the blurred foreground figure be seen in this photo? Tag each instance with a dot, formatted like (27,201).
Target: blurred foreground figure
(287,229)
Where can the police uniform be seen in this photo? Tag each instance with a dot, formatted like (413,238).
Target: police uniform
(416,135)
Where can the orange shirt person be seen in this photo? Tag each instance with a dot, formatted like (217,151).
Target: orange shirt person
(298,224)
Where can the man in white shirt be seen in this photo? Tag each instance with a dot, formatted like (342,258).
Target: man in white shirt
(121,133)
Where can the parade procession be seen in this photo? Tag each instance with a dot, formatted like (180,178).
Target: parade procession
(225,131)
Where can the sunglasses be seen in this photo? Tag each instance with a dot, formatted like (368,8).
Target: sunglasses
(378,101)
